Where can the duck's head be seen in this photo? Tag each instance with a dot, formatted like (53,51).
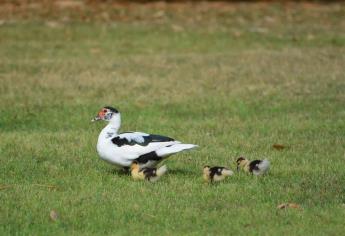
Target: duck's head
(107,113)
(241,162)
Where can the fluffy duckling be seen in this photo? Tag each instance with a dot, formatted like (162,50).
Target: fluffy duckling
(256,167)
(216,173)
(151,174)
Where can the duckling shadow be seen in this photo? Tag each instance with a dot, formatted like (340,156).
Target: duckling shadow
(116,171)
(214,184)
(180,172)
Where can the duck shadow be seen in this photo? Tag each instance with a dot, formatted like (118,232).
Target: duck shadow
(126,172)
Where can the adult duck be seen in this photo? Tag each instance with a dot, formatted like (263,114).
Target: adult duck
(122,149)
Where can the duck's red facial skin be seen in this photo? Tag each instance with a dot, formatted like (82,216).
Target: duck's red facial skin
(101,114)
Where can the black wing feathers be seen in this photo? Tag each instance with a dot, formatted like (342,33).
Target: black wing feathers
(159,138)
(151,156)
(120,141)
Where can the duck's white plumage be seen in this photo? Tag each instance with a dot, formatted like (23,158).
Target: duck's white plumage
(123,148)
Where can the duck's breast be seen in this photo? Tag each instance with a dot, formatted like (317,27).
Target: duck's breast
(109,152)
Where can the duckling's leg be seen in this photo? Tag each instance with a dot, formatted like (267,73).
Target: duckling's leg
(126,170)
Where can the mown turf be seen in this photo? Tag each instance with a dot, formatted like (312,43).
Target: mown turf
(232,93)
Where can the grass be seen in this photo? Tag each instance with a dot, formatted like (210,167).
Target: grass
(235,85)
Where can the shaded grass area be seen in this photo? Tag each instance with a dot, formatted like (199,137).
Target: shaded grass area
(232,94)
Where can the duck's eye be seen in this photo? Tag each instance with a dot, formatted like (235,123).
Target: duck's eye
(104,110)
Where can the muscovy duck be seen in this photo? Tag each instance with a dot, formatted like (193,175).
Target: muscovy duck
(122,149)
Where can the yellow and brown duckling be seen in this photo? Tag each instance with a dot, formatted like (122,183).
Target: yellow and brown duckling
(256,167)
(150,174)
(216,173)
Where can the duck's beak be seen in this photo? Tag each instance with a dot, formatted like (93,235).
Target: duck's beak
(100,116)
(97,118)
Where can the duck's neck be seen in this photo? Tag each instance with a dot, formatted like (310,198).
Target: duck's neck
(112,128)
(115,122)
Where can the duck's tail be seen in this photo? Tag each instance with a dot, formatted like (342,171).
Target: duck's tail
(175,148)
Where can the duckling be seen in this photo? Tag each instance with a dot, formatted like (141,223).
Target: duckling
(150,174)
(256,167)
(216,173)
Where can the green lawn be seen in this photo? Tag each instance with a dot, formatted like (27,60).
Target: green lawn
(234,83)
